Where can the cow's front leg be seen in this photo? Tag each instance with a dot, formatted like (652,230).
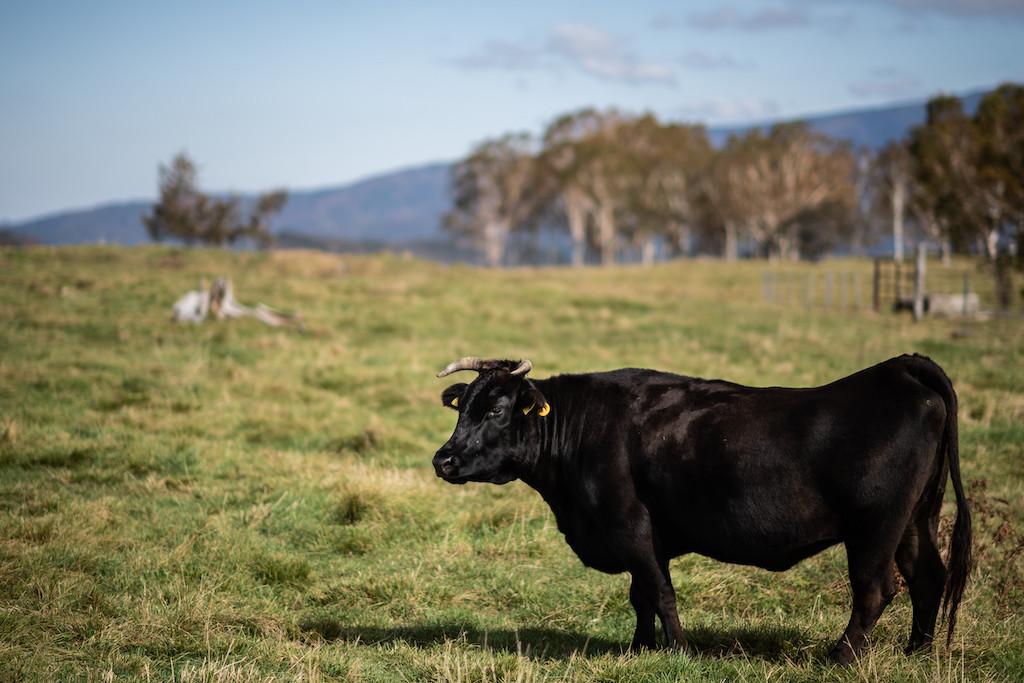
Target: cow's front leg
(651,593)
(642,597)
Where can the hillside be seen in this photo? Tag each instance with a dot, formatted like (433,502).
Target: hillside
(402,210)
(231,502)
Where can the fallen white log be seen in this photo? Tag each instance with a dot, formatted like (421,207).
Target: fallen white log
(193,307)
(220,302)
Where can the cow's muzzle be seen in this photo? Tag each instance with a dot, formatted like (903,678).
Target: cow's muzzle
(446,465)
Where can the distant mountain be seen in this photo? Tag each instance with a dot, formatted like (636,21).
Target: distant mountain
(403,209)
(385,208)
(871,128)
(399,208)
(119,223)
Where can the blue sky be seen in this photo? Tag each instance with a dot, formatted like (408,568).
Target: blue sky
(310,94)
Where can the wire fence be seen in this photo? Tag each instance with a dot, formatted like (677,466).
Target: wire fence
(829,290)
(919,285)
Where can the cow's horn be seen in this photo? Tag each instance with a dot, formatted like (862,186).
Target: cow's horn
(466,363)
(523,368)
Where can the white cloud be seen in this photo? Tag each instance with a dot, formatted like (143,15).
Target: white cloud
(739,110)
(582,47)
(786,15)
(963,8)
(697,59)
(728,17)
(604,56)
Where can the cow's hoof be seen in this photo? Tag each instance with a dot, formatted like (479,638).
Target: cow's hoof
(678,646)
(638,646)
(842,654)
(913,647)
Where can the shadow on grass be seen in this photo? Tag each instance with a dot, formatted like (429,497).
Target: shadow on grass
(771,643)
(768,643)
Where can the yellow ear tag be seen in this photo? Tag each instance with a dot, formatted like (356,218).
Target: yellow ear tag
(545,410)
(526,410)
(455,402)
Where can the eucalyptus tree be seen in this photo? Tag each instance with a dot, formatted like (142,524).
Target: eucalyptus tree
(971,170)
(720,201)
(564,166)
(583,156)
(495,192)
(661,171)
(774,185)
(607,183)
(999,123)
(891,177)
(945,153)
(640,216)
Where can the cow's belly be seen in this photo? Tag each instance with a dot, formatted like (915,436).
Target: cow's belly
(597,555)
(598,546)
(770,555)
(760,533)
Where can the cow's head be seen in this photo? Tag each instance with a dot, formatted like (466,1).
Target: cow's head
(493,412)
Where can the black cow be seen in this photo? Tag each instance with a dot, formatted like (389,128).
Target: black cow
(642,466)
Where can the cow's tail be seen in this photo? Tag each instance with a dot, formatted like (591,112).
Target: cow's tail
(959,564)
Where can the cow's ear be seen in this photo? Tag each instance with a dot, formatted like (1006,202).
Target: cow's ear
(531,401)
(452,395)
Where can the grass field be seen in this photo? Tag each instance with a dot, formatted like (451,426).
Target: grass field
(231,502)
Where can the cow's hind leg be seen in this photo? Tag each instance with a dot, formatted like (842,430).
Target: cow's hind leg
(668,612)
(873,585)
(920,563)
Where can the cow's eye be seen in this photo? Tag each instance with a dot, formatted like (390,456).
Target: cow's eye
(495,411)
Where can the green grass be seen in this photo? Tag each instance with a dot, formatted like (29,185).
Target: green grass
(233,502)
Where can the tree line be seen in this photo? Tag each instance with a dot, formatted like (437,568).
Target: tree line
(615,182)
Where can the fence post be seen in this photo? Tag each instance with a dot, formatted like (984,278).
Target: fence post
(876,285)
(967,292)
(856,290)
(919,266)
(898,282)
